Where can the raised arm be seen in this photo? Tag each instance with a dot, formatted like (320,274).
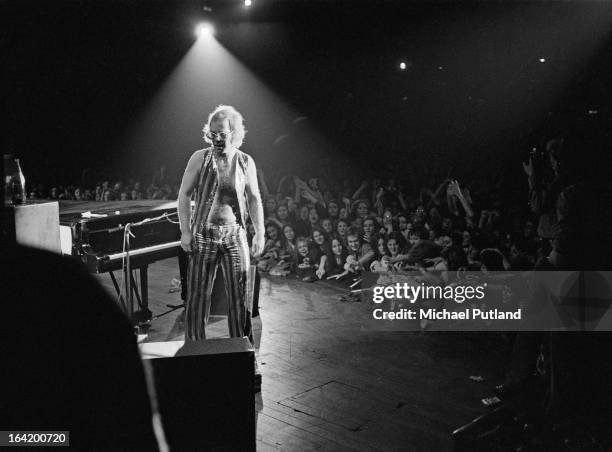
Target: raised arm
(190,178)
(255,208)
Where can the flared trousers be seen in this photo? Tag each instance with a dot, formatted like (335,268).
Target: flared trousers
(215,246)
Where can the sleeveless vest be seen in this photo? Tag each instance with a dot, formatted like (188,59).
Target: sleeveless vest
(206,189)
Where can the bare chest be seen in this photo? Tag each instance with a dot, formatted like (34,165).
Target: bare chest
(226,169)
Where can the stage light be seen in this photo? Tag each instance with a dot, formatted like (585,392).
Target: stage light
(542,60)
(204,30)
(248,2)
(403,66)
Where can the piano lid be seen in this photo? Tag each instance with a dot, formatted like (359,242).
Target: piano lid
(71,211)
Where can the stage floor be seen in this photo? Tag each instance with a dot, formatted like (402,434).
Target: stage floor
(330,384)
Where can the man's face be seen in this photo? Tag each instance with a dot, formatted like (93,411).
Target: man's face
(220,131)
(368,227)
(326,224)
(341,228)
(402,222)
(414,239)
(353,243)
(332,209)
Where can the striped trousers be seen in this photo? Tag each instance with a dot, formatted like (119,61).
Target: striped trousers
(224,246)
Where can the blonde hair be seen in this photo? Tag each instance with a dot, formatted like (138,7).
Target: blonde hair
(236,122)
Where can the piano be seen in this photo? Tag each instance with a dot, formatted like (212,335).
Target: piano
(97,239)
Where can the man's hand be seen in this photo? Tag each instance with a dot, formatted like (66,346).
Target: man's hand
(320,272)
(258,245)
(186,238)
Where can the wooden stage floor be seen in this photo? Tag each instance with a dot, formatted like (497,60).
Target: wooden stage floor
(329,384)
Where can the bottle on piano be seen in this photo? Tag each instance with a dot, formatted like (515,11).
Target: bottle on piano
(14,182)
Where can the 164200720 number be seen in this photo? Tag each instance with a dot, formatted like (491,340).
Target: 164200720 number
(35,438)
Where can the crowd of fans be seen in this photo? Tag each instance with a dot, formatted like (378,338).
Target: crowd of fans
(160,187)
(331,229)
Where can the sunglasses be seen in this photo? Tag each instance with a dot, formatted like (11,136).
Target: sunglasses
(218,135)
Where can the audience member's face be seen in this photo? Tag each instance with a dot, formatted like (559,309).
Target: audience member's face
(291,206)
(117,186)
(343,213)
(362,210)
(318,237)
(135,194)
(332,209)
(336,247)
(313,216)
(387,217)
(282,213)
(467,239)
(414,239)
(107,195)
(393,247)
(444,241)
(402,223)
(270,205)
(368,227)
(124,196)
(289,233)
(77,194)
(327,225)
(304,213)
(302,247)
(419,212)
(353,242)
(381,246)
(272,232)
(447,224)
(137,186)
(341,228)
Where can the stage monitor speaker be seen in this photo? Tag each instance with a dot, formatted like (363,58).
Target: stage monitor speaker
(205,393)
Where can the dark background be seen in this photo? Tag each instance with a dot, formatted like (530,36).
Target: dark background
(80,75)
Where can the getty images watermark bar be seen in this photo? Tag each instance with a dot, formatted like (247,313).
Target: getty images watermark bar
(34,438)
(493,301)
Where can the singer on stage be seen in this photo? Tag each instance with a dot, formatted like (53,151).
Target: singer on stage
(226,193)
